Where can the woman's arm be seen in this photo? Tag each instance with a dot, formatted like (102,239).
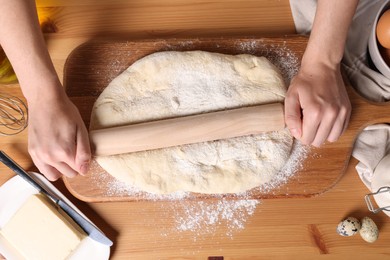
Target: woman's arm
(58,140)
(317,107)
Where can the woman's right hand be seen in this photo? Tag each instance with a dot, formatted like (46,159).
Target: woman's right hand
(317,106)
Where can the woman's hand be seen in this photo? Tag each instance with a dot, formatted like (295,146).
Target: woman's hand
(317,107)
(57,139)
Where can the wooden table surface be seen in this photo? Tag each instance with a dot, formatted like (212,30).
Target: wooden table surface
(279,228)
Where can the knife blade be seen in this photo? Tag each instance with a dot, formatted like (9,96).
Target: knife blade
(89,228)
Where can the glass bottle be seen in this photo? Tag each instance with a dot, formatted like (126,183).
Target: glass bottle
(7,74)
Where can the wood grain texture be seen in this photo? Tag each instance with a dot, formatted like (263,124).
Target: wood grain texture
(87,74)
(295,228)
(153,18)
(67,24)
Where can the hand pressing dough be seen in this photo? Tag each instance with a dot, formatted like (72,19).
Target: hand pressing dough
(172,84)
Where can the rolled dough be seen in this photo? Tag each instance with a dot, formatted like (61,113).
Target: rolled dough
(171,84)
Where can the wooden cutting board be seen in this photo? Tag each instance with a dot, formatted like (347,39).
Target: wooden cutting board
(92,66)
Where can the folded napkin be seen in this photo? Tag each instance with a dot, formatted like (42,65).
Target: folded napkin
(374,142)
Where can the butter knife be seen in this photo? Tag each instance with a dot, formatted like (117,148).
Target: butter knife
(89,228)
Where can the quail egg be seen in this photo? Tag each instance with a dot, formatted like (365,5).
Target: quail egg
(369,231)
(348,227)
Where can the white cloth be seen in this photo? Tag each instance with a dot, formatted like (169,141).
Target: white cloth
(374,142)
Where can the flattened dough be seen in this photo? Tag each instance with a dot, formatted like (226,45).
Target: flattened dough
(172,84)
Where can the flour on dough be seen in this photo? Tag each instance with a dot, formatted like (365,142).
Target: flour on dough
(171,84)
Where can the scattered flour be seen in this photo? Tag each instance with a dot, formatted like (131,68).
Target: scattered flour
(173,84)
(202,217)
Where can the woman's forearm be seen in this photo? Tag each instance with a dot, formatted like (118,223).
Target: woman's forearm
(329,32)
(317,106)
(57,137)
(22,41)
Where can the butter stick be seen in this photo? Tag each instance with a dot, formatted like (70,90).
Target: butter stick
(39,230)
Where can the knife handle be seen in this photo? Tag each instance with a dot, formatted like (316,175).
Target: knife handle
(4,158)
(89,228)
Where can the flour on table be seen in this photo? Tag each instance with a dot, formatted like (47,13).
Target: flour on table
(171,84)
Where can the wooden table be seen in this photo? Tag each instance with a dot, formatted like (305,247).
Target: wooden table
(279,228)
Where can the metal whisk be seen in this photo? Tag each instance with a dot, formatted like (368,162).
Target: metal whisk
(13,115)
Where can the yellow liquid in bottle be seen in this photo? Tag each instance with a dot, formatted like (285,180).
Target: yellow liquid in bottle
(7,74)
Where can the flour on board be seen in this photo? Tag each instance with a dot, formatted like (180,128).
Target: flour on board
(171,84)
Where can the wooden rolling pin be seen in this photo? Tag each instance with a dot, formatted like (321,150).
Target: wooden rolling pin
(188,129)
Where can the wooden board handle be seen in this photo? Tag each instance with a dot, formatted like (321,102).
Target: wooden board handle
(188,129)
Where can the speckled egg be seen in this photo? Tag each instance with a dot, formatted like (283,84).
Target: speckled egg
(348,227)
(369,231)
